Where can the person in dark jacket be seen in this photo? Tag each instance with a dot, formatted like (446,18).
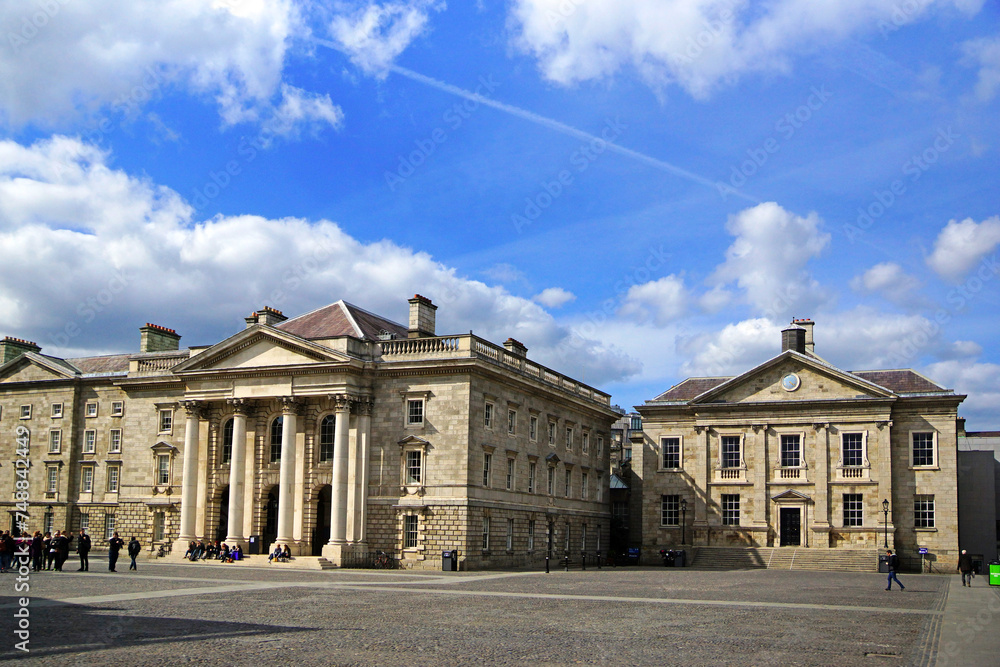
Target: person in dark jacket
(57,547)
(115,545)
(83,548)
(893,566)
(37,551)
(965,567)
(133,551)
(50,555)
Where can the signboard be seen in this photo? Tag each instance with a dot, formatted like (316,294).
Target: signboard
(922,550)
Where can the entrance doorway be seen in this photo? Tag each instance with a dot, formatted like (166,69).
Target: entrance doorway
(270,533)
(223,530)
(791,526)
(321,533)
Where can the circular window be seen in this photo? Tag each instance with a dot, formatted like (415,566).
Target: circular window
(790,382)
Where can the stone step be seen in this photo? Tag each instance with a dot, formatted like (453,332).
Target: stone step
(786,558)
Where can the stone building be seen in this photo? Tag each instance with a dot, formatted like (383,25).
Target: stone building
(799,453)
(338,432)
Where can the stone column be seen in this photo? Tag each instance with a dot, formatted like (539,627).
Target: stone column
(360,505)
(341,456)
(702,475)
(762,469)
(883,469)
(189,485)
(286,476)
(237,473)
(821,513)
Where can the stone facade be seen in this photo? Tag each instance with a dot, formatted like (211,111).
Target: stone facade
(338,432)
(797,452)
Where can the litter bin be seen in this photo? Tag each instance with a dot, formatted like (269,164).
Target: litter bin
(253,545)
(994,573)
(449,561)
(883,563)
(680,558)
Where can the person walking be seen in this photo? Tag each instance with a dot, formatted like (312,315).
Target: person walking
(133,551)
(83,548)
(893,567)
(965,567)
(115,545)
(37,552)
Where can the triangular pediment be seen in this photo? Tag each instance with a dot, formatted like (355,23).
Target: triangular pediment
(790,495)
(413,440)
(164,448)
(259,347)
(792,376)
(31,367)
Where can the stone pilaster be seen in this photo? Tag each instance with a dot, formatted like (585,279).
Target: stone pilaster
(762,468)
(286,475)
(341,459)
(237,473)
(189,484)
(821,482)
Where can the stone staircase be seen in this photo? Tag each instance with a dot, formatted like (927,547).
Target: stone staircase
(787,558)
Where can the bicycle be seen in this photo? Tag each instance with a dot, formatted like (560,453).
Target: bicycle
(383,561)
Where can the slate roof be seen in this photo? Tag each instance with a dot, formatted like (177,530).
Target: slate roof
(341,319)
(900,381)
(112,363)
(690,388)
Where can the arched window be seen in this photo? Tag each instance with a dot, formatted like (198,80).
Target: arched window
(276,439)
(326,429)
(226,455)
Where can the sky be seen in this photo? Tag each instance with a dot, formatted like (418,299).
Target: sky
(639,191)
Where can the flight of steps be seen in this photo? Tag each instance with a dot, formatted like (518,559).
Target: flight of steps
(746,558)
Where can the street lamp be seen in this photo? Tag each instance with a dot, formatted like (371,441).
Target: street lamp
(885,511)
(684,509)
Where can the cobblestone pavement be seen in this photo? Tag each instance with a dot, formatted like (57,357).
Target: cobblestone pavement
(215,615)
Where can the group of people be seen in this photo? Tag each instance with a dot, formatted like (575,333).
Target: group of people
(213,551)
(49,552)
(280,554)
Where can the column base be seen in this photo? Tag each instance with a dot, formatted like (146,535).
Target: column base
(233,541)
(181,544)
(296,548)
(336,553)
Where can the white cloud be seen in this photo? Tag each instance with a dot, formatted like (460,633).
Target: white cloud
(554,297)
(888,279)
(375,34)
(715,299)
(985,54)
(980,381)
(298,108)
(696,44)
(769,256)
(660,301)
(962,245)
(129,251)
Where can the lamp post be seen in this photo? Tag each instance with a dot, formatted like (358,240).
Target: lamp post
(885,511)
(684,509)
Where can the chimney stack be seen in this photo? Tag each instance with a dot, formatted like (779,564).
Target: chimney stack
(421,317)
(266,315)
(515,347)
(12,348)
(808,325)
(154,338)
(793,338)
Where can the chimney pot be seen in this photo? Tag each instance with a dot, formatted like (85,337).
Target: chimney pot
(12,348)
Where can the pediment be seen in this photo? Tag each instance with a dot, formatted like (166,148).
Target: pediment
(790,495)
(259,347)
(164,448)
(792,377)
(32,367)
(413,440)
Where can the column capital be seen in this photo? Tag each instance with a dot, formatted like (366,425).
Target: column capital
(364,405)
(241,406)
(342,402)
(290,405)
(193,409)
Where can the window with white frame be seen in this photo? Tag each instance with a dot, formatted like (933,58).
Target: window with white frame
(533,428)
(163,469)
(852,449)
(730,509)
(550,487)
(532,467)
(87,479)
(48,521)
(90,409)
(414,412)
(923,511)
(569,438)
(411,526)
(486,533)
(488,415)
(731,451)
(57,410)
(510,474)
(114,475)
(670,510)
(89,441)
(327,432)
(159,525)
(791,451)
(531,535)
(55,441)
(853,510)
(670,447)
(585,446)
(584,488)
(487,463)
(166,421)
(117,408)
(924,449)
(25,412)
(84,521)
(567,482)
(109,526)
(115,440)
(276,432)
(552,434)
(226,451)
(52,479)
(414,466)
(512,422)
(510,535)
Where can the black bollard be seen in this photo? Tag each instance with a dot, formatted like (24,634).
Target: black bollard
(598,560)
(566,562)
(583,560)
(546,565)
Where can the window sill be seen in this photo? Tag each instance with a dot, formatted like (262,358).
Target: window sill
(668,469)
(925,530)
(912,467)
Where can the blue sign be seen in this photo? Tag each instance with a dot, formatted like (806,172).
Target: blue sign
(922,550)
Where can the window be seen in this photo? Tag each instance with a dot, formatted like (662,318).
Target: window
(567,482)
(117,408)
(89,441)
(512,422)
(276,427)
(670,513)
(114,440)
(85,521)
(55,441)
(923,511)
(671,448)
(91,409)
(552,481)
(414,412)
(853,509)
(488,415)
(411,523)
(166,421)
(47,522)
(852,449)
(109,526)
(533,428)
(600,447)
(226,453)
(585,448)
(25,412)
(627,451)
(52,479)
(57,410)
(510,534)
(552,434)
(114,474)
(487,462)
(635,423)
(414,466)
(326,435)
(923,449)
(730,509)
(566,538)
(486,533)
(597,546)
(569,438)
(600,488)
(583,485)
(510,474)
(159,525)
(87,479)
(531,535)
(730,451)
(531,476)
(163,469)
(791,451)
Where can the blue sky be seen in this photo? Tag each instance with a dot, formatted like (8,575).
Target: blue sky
(643,191)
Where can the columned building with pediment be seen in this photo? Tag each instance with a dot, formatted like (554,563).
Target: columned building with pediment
(338,432)
(799,453)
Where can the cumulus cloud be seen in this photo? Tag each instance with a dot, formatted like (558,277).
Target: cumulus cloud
(888,279)
(980,381)
(984,53)
(769,256)
(660,301)
(554,297)
(696,44)
(130,251)
(962,245)
(373,35)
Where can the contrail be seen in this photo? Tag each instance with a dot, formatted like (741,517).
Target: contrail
(555,125)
